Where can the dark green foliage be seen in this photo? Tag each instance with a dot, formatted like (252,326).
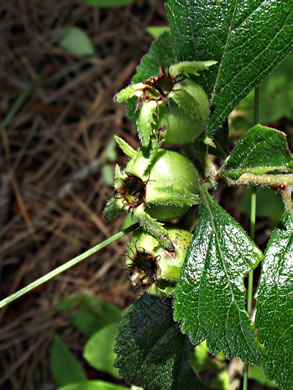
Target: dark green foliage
(262,149)
(210,294)
(152,353)
(247,38)
(275,305)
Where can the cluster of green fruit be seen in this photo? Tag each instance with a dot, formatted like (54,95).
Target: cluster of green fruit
(159,185)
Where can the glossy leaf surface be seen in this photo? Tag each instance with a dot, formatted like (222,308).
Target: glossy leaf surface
(64,365)
(247,38)
(274,316)
(210,294)
(152,353)
(261,150)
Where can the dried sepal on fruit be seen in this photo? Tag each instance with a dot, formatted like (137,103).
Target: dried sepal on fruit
(171,99)
(153,267)
(157,185)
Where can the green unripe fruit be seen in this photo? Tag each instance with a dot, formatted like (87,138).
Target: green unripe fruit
(170,170)
(151,265)
(182,125)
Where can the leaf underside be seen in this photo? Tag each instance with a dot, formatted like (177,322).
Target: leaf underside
(248,39)
(210,294)
(151,351)
(274,317)
(261,150)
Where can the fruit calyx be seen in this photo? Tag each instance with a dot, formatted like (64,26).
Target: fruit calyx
(132,192)
(158,87)
(151,265)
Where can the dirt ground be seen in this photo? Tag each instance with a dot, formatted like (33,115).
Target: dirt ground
(52,192)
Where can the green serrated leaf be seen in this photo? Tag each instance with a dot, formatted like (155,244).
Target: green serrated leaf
(118,176)
(64,365)
(275,305)
(153,227)
(106,3)
(146,121)
(190,67)
(125,147)
(170,196)
(99,350)
(125,94)
(247,38)
(262,149)
(92,385)
(210,294)
(76,42)
(112,209)
(161,52)
(151,351)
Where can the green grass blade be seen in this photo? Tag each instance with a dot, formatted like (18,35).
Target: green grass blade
(66,266)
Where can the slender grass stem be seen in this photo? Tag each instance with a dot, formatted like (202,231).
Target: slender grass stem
(252,235)
(66,266)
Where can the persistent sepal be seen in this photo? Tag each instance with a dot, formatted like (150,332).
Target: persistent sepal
(125,94)
(125,147)
(186,102)
(112,209)
(170,196)
(155,228)
(146,121)
(190,67)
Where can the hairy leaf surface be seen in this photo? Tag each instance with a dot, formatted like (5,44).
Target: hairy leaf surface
(247,38)
(210,294)
(274,317)
(152,353)
(261,150)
